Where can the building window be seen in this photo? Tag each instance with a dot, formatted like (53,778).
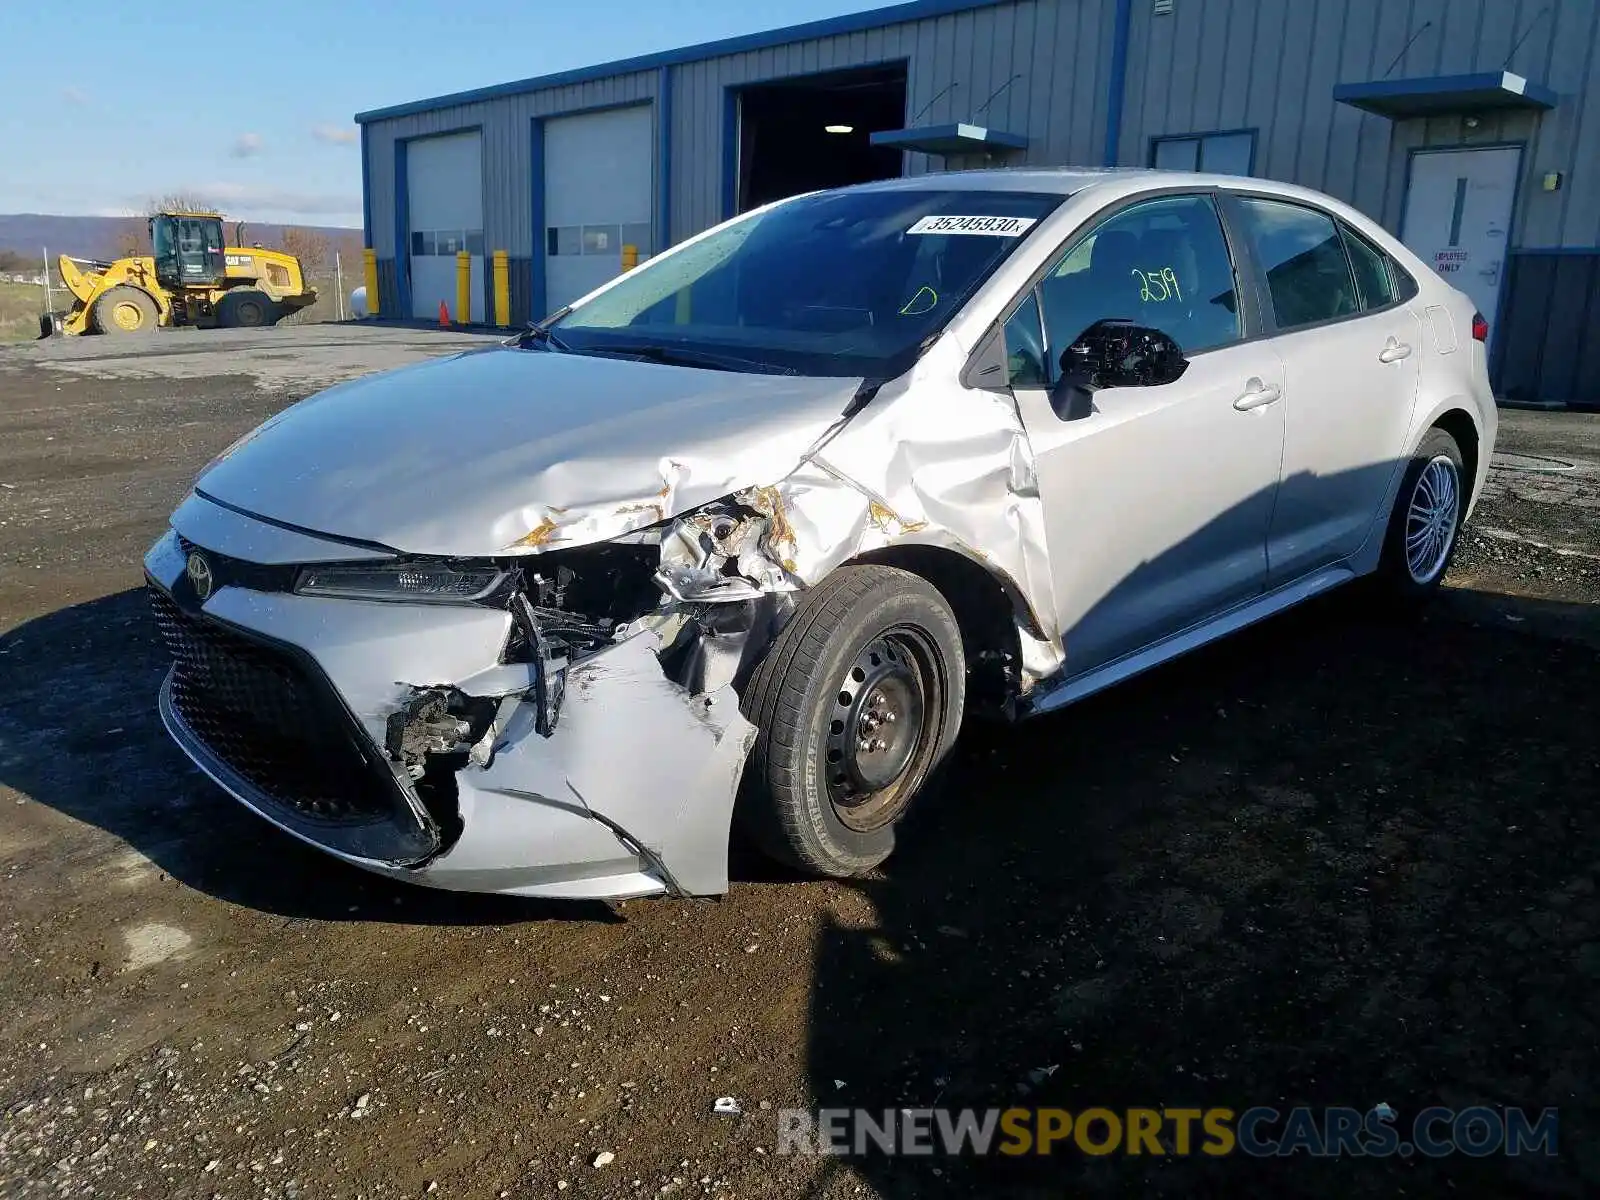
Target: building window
(445,243)
(1219,153)
(597,240)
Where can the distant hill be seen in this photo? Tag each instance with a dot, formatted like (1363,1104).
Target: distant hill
(99,237)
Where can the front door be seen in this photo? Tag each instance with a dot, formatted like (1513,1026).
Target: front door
(1458,217)
(1156,503)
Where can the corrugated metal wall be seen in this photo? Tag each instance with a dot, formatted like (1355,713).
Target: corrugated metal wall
(1060,48)
(1271,65)
(507,125)
(1211,65)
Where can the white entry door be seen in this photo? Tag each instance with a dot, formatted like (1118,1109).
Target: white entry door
(1458,217)
(598,194)
(444,191)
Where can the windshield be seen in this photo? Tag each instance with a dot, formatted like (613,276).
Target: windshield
(840,283)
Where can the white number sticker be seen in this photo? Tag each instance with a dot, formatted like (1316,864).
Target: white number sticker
(979,226)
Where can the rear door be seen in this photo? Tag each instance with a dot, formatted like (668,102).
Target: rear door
(1350,348)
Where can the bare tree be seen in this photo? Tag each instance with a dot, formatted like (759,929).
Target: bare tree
(176,202)
(310,247)
(132,238)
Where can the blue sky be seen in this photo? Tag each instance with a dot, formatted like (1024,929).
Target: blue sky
(106,105)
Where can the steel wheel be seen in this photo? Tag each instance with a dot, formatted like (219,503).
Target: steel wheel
(879,732)
(127,316)
(1431,518)
(252,313)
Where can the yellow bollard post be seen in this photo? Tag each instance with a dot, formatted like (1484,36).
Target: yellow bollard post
(369,267)
(630,257)
(463,288)
(502,289)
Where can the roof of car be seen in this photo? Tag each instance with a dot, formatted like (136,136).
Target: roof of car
(1064,180)
(1068,180)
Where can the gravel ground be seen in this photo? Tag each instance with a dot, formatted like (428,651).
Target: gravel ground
(1340,859)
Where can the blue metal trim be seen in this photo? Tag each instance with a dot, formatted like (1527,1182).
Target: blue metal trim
(916,10)
(663,160)
(537,292)
(730,152)
(402,233)
(1485,87)
(959,138)
(1118,82)
(366,191)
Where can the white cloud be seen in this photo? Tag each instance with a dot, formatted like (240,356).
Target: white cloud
(336,135)
(75,95)
(246,145)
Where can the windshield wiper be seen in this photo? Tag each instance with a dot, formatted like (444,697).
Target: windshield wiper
(673,356)
(540,332)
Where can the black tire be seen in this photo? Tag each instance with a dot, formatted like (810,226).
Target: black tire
(1398,576)
(247,308)
(124,309)
(884,640)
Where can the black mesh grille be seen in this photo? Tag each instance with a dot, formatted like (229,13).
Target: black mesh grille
(259,710)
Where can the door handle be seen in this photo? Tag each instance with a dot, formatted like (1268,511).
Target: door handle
(1394,352)
(1257,395)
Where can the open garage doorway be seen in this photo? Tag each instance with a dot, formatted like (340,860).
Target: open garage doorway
(812,131)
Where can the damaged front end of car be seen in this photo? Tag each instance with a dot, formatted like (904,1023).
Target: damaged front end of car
(561,723)
(615,700)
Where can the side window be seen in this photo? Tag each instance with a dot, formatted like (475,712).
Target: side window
(1374,287)
(1301,253)
(1163,263)
(1025,356)
(1405,286)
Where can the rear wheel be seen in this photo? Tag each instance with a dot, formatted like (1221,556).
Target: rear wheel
(247,309)
(124,309)
(1426,520)
(856,704)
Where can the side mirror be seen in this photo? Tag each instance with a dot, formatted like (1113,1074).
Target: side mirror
(1112,354)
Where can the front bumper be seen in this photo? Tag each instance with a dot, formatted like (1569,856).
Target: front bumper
(630,795)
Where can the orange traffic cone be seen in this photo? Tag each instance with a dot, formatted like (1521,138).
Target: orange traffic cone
(444,315)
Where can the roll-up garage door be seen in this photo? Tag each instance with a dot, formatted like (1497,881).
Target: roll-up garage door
(444,182)
(597,194)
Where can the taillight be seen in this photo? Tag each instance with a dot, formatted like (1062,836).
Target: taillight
(1480,328)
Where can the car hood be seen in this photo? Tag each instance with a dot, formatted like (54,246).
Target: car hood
(506,451)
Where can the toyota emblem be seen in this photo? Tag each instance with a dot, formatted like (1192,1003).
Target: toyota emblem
(199,572)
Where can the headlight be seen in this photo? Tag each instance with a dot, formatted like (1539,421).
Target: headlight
(413,581)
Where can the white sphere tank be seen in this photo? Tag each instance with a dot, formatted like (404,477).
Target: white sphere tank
(358,303)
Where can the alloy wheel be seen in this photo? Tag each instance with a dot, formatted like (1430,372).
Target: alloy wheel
(1431,518)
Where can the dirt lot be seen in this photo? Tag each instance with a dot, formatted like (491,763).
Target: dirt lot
(1339,860)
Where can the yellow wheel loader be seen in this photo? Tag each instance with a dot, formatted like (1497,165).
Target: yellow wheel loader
(192,278)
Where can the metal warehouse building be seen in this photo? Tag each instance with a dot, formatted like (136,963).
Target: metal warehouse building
(1469,127)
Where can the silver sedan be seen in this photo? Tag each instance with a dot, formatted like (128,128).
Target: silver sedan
(743,535)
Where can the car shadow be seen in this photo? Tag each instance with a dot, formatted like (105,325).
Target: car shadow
(1339,859)
(80,734)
